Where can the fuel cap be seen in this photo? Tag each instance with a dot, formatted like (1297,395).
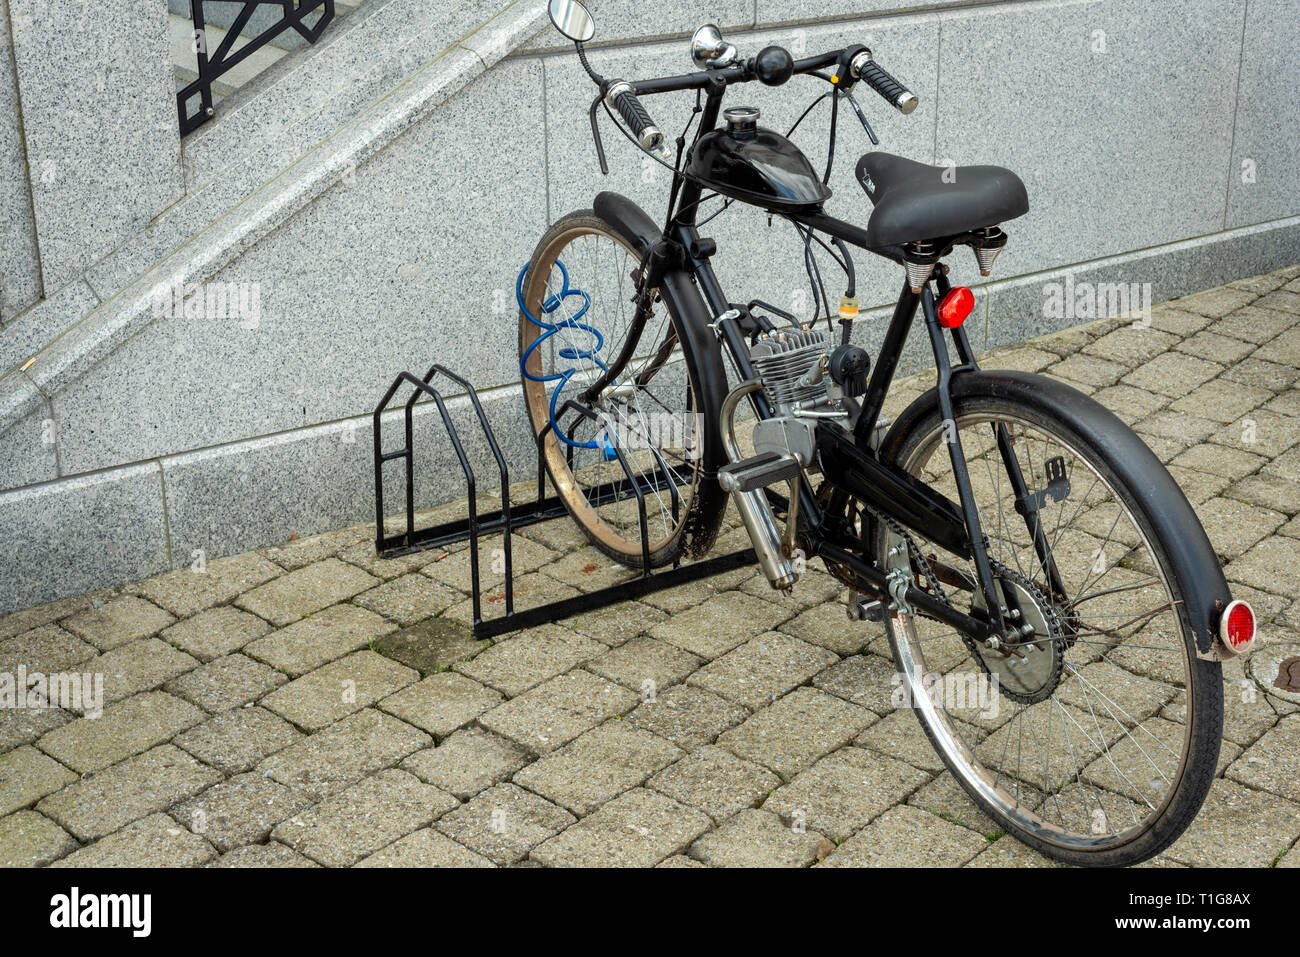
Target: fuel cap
(741,119)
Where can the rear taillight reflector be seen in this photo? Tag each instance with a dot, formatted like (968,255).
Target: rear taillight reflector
(1237,627)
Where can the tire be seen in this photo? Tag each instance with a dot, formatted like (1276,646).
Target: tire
(612,528)
(915,445)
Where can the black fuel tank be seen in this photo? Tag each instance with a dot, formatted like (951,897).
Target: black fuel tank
(755,165)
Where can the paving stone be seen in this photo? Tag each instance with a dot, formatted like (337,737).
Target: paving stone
(1131,346)
(409,599)
(1273,762)
(236,740)
(716,782)
(239,811)
(1237,827)
(369,815)
(828,625)
(813,588)
(1128,403)
(1139,765)
(299,552)
(20,621)
(25,725)
(1215,347)
(1254,324)
(676,600)
(140,666)
(432,645)
(140,785)
(588,570)
(1177,427)
(1024,358)
(215,632)
(645,664)
(441,703)
(155,841)
(1089,370)
(263,855)
(1261,432)
(866,680)
(225,683)
(1268,491)
(306,591)
(455,570)
(720,624)
(792,733)
(1255,371)
(1282,350)
(1218,460)
(504,823)
(1235,526)
(557,711)
(338,689)
(1215,303)
(330,760)
(188,591)
(1272,565)
(597,766)
(616,624)
(763,669)
(679,860)
(517,663)
(899,735)
(530,591)
(1166,318)
(757,839)
(129,727)
(26,776)
(1222,400)
(425,848)
(29,840)
(364,556)
(469,761)
(843,791)
(1008,852)
(907,837)
(1172,374)
(1198,486)
(320,639)
(1286,466)
(636,829)
(688,717)
(117,622)
(945,798)
(47,650)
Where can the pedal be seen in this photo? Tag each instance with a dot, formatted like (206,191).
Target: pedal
(759,471)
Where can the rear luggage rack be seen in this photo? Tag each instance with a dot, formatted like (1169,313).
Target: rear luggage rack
(508,519)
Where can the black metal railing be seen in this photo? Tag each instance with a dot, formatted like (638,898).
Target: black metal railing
(194,104)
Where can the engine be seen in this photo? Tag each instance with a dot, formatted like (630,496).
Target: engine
(804,379)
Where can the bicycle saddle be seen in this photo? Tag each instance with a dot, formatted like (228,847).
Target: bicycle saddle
(915,202)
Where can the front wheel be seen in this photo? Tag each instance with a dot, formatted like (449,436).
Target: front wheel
(1098,744)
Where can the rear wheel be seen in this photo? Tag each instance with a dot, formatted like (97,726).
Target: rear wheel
(577,304)
(1098,743)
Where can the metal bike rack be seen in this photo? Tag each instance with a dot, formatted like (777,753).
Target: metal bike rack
(507,519)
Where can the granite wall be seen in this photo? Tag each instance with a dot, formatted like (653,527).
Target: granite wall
(1153,137)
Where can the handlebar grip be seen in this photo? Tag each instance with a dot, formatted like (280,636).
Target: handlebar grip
(636,117)
(879,79)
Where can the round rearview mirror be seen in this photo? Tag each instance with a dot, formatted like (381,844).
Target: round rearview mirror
(573,20)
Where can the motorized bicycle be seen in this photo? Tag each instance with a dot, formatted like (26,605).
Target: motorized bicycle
(1010,532)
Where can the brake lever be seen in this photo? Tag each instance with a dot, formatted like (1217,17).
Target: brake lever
(595,134)
(871,134)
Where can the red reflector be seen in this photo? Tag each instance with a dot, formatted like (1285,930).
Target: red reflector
(955,307)
(1237,626)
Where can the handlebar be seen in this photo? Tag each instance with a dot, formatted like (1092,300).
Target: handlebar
(622,96)
(878,78)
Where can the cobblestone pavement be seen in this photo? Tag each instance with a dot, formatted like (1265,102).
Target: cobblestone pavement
(299,705)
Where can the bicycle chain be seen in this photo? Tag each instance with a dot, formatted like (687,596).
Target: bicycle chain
(936,588)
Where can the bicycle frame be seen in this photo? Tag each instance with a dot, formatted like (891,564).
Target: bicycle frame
(849,464)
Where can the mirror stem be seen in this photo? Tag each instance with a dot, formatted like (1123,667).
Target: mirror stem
(582,55)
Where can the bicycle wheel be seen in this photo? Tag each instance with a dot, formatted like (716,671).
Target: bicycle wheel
(1099,744)
(643,433)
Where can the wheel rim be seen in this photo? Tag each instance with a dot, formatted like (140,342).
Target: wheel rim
(1092,765)
(649,420)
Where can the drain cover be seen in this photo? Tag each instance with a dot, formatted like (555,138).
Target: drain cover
(1276,668)
(1288,675)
